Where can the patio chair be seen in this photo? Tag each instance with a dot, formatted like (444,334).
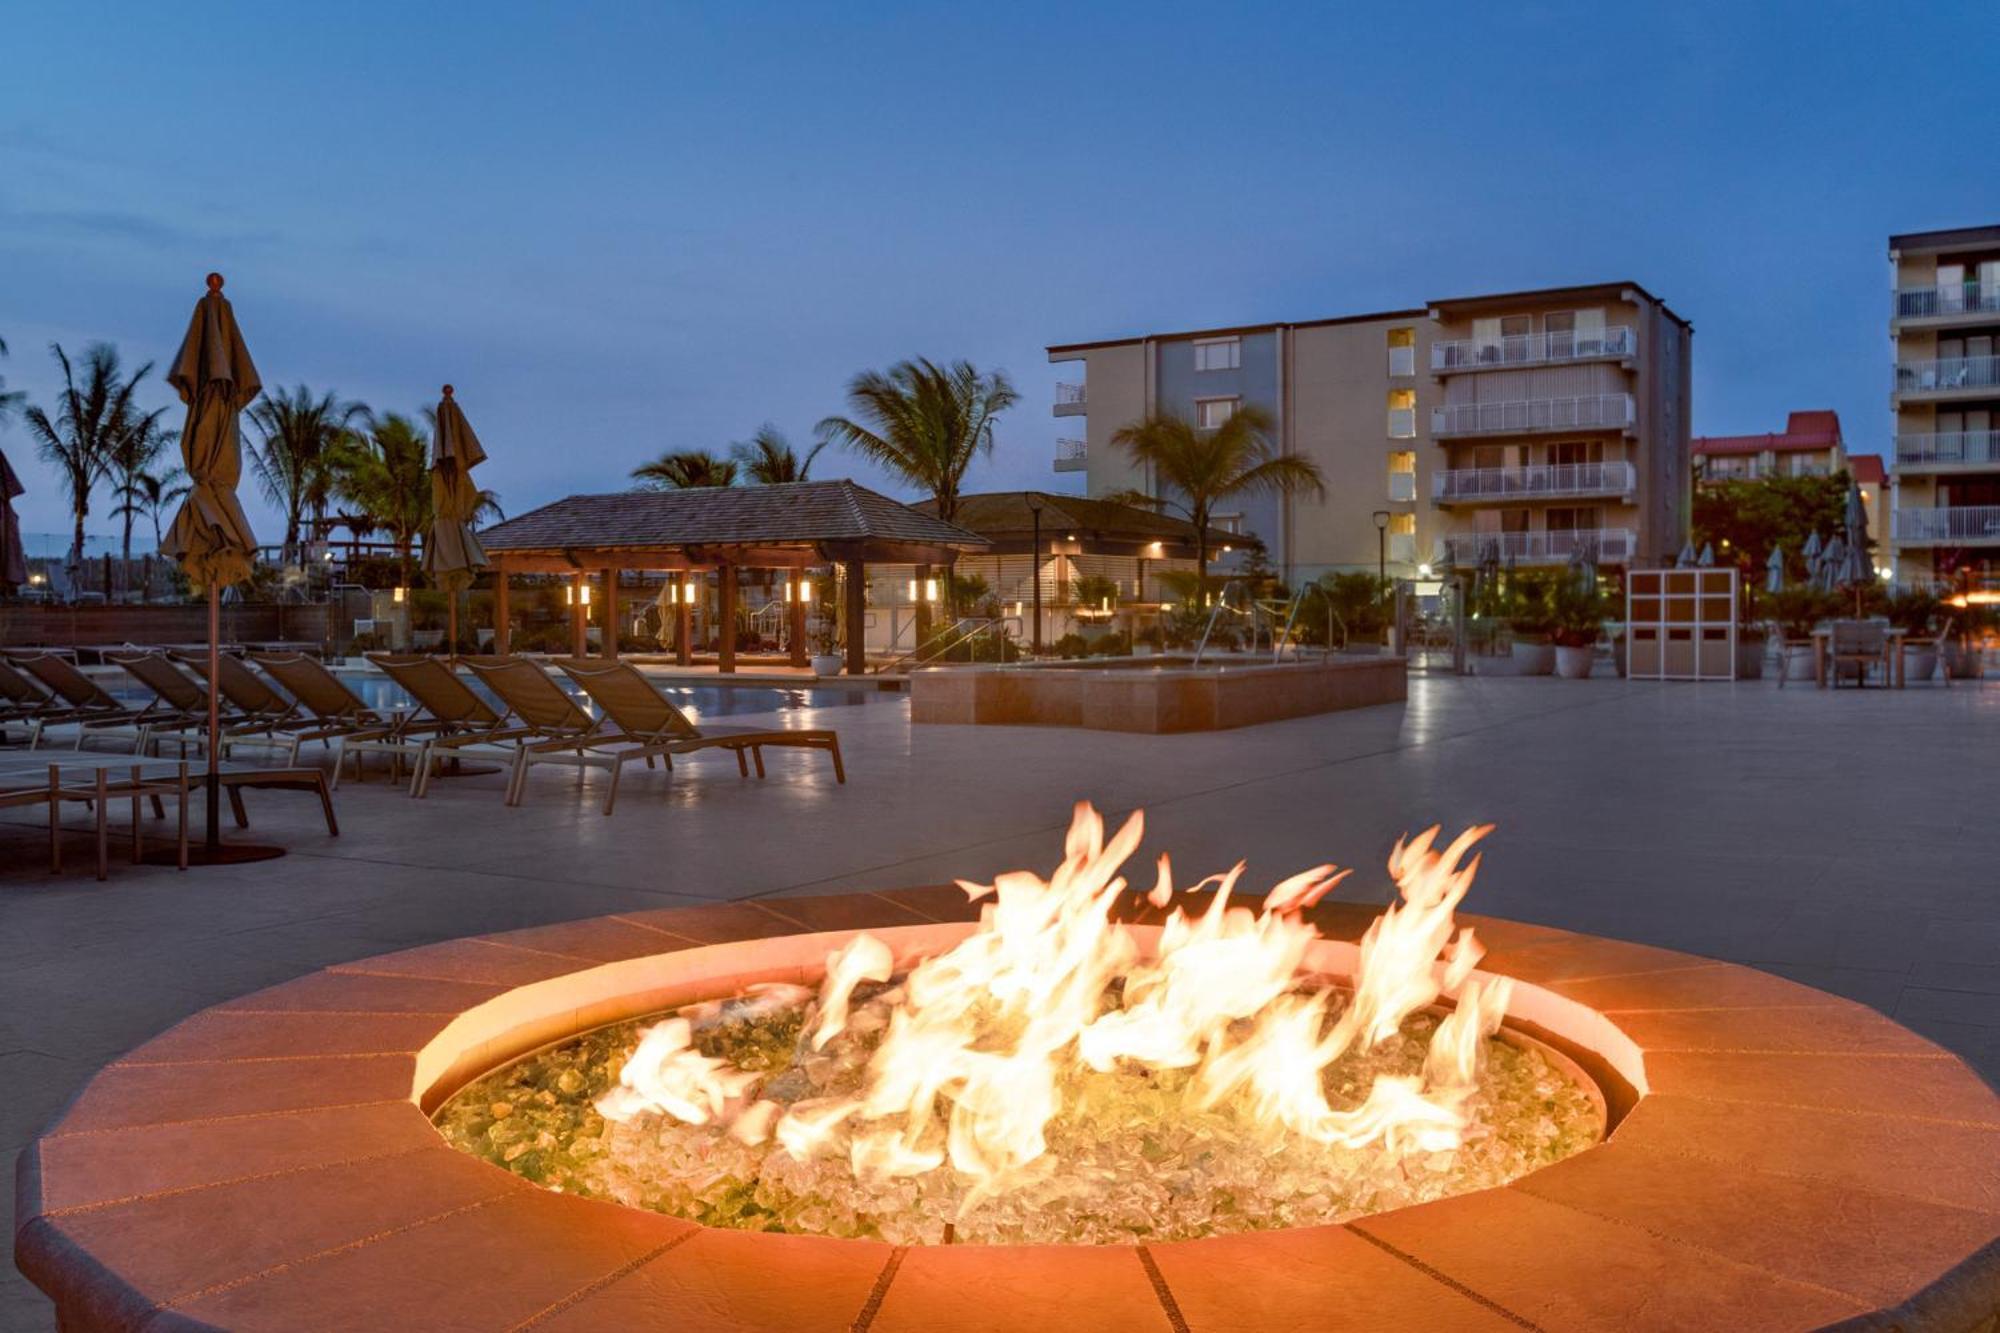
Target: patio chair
(1939,643)
(1858,644)
(262,715)
(339,717)
(649,723)
(457,720)
(182,700)
(88,706)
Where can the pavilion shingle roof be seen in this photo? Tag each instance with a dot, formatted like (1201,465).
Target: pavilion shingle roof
(997,512)
(804,511)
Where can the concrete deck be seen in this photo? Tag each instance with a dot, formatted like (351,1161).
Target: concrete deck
(1846,840)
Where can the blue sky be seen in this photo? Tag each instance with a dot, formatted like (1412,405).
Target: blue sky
(619,229)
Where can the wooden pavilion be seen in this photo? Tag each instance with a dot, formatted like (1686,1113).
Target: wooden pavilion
(794,527)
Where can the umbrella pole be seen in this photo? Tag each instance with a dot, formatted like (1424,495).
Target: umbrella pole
(451,624)
(214,834)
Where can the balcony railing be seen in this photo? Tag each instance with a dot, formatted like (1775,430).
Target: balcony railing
(1965,524)
(1946,447)
(1546,482)
(1969,298)
(1532,349)
(1955,372)
(1614,545)
(1605,411)
(1070,395)
(1072,455)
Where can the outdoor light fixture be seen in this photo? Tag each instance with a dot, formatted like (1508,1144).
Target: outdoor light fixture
(1227,549)
(572,595)
(400,591)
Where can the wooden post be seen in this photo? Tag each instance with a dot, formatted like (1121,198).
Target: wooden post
(923,616)
(611,615)
(725,626)
(579,617)
(856,615)
(683,618)
(502,627)
(800,656)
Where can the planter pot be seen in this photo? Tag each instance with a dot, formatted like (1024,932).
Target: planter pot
(1919,664)
(1534,659)
(1964,663)
(1574,663)
(827,664)
(1750,659)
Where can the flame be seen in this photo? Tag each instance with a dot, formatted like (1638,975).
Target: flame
(971,1067)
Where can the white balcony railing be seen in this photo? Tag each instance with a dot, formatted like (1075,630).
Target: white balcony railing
(1072,455)
(1943,447)
(1605,411)
(1070,395)
(1614,545)
(1965,524)
(1954,372)
(1532,349)
(1546,482)
(1968,298)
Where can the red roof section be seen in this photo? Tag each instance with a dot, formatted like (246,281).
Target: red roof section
(1867,469)
(1803,431)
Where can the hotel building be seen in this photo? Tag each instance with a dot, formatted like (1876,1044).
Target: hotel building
(1531,420)
(1945,396)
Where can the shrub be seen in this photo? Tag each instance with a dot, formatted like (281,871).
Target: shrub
(1070,646)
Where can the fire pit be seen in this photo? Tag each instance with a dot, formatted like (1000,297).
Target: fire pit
(1775,1157)
(1058,1077)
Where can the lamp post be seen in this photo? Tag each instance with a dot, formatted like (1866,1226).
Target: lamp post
(1035,575)
(1381,551)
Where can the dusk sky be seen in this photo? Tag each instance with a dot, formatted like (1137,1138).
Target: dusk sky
(620,230)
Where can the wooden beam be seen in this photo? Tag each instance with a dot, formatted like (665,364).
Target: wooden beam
(502,616)
(856,615)
(800,655)
(725,651)
(611,614)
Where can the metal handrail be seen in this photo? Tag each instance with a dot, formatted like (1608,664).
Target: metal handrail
(1603,411)
(1532,349)
(1970,297)
(959,631)
(1949,372)
(1541,479)
(1951,446)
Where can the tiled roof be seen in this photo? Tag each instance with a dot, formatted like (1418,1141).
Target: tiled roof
(994,513)
(1867,469)
(1803,431)
(796,512)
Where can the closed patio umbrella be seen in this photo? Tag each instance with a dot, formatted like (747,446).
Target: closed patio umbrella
(1706,560)
(210,537)
(1774,578)
(452,553)
(1810,552)
(13,557)
(1685,560)
(1832,562)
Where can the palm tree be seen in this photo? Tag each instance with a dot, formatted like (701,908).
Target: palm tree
(768,459)
(686,469)
(1194,469)
(91,419)
(9,402)
(152,494)
(924,423)
(135,454)
(300,434)
(384,474)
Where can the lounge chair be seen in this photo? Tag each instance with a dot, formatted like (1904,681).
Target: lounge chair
(644,723)
(181,700)
(455,719)
(261,716)
(92,709)
(338,716)
(22,700)
(549,726)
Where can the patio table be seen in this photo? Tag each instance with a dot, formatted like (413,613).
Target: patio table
(36,777)
(1892,655)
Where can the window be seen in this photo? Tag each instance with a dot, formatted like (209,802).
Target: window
(1587,518)
(1210,413)
(1402,351)
(1402,525)
(1218,353)
(1403,475)
(1402,414)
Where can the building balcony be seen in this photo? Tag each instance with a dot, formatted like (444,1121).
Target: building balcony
(1943,306)
(1946,451)
(1513,485)
(1070,400)
(1459,355)
(1614,545)
(1963,525)
(1535,416)
(1951,377)
(1072,456)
